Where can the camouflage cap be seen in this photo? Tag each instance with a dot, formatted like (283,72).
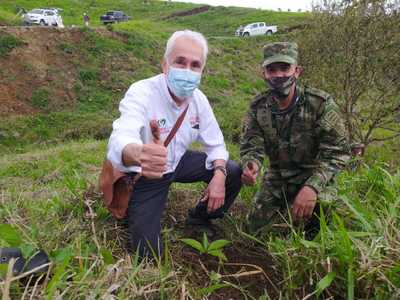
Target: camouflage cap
(280,52)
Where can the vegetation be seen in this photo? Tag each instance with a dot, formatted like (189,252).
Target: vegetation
(350,49)
(7,43)
(214,248)
(51,161)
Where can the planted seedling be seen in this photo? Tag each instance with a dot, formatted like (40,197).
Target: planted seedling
(214,248)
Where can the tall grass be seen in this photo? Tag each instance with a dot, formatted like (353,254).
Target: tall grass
(48,197)
(358,249)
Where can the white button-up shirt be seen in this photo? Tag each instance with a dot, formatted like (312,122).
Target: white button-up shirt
(150,99)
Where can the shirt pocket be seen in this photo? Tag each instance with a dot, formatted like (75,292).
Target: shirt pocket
(302,146)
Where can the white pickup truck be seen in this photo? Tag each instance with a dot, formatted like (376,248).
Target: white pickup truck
(256,29)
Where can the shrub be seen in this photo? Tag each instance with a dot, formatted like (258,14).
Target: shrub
(7,43)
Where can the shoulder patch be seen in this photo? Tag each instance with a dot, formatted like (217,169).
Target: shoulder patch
(332,117)
(334,121)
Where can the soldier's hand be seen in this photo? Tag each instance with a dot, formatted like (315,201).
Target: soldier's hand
(304,203)
(250,173)
(153,160)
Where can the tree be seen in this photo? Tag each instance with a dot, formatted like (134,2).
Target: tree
(351,49)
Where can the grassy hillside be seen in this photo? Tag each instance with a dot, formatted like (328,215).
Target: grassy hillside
(73,9)
(60,90)
(101,67)
(102,63)
(215,21)
(225,20)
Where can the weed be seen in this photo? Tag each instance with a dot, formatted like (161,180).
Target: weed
(40,98)
(8,43)
(88,75)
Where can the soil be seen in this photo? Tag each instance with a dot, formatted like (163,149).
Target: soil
(248,265)
(257,269)
(189,12)
(40,63)
(37,64)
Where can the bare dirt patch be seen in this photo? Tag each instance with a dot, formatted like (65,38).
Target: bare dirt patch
(189,12)
(38,64)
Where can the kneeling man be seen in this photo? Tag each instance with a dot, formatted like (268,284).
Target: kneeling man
(131,149)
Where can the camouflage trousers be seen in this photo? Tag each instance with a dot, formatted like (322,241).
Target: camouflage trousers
(272,203)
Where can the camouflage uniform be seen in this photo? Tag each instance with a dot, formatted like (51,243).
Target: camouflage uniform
(306,145)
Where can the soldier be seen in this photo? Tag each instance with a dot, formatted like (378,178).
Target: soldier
(301,131)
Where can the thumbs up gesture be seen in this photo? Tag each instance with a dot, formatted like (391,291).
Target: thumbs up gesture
(153,157)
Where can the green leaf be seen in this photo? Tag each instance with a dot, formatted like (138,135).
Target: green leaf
(27,250)
(107,256)
(3,271)
(253,238)
(194,244)
(212,288)
(205,241)
(350,283)
(62,258)
(310,244)
(325,282)
(10,235)
(360,234)
(218,244)
(215,277)
(218,253)
(359,211)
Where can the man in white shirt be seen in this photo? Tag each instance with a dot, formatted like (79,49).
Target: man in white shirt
(131,148)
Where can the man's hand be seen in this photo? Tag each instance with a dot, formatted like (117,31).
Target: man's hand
(215,192)
(304,203)
(153,160)
(152,157)
(250,173)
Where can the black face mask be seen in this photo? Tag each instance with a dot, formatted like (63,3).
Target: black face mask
(280,86)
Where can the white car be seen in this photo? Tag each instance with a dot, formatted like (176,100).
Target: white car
(42,16)
(256,29)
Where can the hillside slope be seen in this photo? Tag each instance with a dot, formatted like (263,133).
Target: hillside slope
(59,84)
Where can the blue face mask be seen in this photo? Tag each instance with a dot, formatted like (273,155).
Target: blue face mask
(182,82)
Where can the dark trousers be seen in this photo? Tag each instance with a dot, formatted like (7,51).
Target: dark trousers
(149,197)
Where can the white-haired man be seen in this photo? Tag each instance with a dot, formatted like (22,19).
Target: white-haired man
(131,148)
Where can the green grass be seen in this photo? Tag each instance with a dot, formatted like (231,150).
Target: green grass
(218,20)
(223,21)
(73,10)
(21,134)
(359,245)
(7,43)
(44,194)
(8,18)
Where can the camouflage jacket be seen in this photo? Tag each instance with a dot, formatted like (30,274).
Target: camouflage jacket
(306,145)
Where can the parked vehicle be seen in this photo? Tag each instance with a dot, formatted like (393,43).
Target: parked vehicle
(42,16)
(259,28)
(114,16)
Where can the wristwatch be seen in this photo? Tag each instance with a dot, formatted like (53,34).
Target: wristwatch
(222,169)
